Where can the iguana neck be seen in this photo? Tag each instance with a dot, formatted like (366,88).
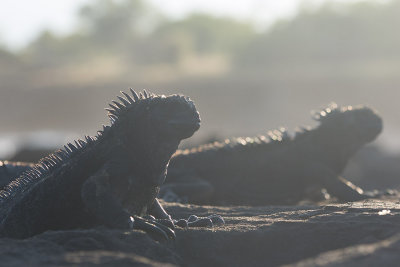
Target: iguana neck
(159,154)
(330,148)
(150,154)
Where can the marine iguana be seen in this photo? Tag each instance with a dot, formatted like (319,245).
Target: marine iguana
(111,179)
(277,168)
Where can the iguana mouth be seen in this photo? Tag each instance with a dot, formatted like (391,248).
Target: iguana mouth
(378,125)
(185,126)
(374,127)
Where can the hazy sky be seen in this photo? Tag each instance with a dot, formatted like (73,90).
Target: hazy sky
(21,20)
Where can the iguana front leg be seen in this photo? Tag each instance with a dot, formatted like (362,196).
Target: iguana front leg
(105,206)
(193,221)
(336,185)
(344,189)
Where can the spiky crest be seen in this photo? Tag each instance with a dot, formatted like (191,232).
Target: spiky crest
(127,102)
(44,167)
(328,112)
(272,137)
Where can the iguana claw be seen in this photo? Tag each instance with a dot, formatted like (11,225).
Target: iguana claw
(156,230)
(195,221)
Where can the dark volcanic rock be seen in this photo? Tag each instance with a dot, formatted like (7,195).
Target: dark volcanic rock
(95,247)
(271,236)
(336,234)
(383,253)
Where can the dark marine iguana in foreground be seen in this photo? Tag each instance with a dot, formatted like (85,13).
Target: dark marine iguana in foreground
(275,169)
(112,179)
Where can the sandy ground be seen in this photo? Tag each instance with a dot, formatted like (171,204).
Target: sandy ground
(351,234)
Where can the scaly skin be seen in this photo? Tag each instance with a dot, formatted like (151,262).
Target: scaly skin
(112,179)
(276,169)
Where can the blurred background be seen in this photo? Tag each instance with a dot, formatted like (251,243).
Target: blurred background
(249,65)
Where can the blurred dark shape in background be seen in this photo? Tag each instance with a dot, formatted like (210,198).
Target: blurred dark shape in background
(243,81)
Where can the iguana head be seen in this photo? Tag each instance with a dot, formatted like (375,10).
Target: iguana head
(153,121)
(352,125)
(174,116)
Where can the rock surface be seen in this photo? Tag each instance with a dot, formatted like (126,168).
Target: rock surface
(351,234)
(383,253)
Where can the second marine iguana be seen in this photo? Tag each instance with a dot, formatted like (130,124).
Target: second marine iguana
(111,179)
(275,169)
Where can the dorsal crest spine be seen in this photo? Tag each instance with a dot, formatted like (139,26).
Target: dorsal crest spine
(126,102)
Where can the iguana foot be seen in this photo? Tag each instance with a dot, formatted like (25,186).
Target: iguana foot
(156,230)
(163,218)
(166,222)
(192,221)
(195,221)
